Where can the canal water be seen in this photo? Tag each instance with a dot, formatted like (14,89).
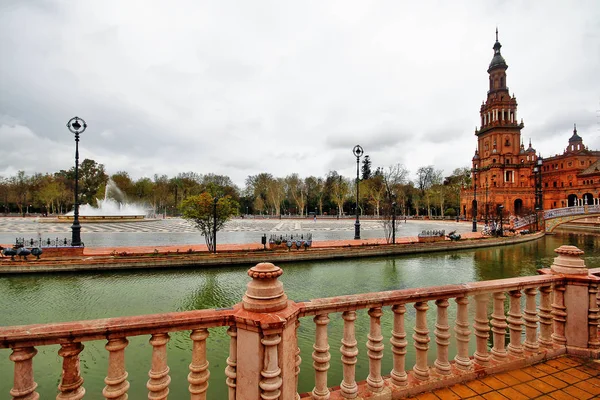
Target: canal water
(43,298)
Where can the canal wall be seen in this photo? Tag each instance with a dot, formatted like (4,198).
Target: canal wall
(194,260)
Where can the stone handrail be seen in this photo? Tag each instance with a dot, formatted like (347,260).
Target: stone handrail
(389,298)
(264,358)
(97,329)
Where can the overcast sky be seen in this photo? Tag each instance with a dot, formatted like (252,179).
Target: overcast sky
(243,87)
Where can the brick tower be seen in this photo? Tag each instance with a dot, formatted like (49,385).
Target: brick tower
(502,167)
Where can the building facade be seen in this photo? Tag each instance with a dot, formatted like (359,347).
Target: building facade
(505,173)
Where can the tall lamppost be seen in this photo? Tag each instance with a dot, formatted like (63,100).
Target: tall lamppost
(215,200)
(500,209)
(486,202)
(474,200)
(77,126)
(394,222)
(537,170)
(358,152)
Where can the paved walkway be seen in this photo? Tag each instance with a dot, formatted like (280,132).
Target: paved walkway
(564,378)
(132,250)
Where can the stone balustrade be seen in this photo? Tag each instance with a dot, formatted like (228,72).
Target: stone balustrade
(542,317)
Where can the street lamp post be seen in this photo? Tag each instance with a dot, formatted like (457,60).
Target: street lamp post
(394,222)
(77,126)
(358,152)
(215,200)
(500,209)
(486,202)
(538,204)
(474,200)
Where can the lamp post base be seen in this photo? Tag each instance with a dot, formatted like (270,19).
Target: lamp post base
(474,225)
(356,230)
(76,234)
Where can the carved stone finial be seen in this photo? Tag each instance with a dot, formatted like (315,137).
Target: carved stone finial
(569,261)
(264,293)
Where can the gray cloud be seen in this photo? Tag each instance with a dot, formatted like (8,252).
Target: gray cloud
(241,88)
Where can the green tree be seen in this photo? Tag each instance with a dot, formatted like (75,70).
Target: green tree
(366,168)
(200,210)
(92,178)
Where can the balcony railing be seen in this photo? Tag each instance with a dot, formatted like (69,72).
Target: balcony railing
(494,330)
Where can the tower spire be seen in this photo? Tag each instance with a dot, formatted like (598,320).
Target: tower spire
(496,33)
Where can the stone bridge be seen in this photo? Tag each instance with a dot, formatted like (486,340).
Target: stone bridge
(557,216)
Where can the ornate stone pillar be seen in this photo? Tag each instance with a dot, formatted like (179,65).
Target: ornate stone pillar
(158,384)
(462,359)
(515,322)
(230,370)
(23,384)
(482,330)
(71,382)
(266,344)
(116,380)
(348,387)
(399,343)
(545,317)
(421,341)
(321,358)
(499,326)
(199,373)
(375,351)
(531,320)
(442,337)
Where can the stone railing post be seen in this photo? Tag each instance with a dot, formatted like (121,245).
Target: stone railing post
(482,330)
(574,304)
(349,387)
(462,331)
(116,380)
(23,384)
(71,382)
(421,341)
(266,342)
(399,343)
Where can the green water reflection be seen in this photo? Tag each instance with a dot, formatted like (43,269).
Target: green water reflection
(43,298)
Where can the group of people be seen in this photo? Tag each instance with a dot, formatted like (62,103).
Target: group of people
(492,229)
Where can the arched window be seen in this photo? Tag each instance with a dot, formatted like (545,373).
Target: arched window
(501,81)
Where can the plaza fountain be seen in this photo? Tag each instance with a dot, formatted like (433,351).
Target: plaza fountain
(113,207)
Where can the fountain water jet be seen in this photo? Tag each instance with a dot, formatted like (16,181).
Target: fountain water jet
(113,207)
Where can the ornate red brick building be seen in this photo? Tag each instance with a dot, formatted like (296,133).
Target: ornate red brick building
(506,173)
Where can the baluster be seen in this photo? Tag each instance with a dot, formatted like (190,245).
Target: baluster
(199,373)
(461,328)
(598,306)
(499,326)
(271,373)
(321,358)
(545,338)
(71,382)
(421,341)
(116,379)
(531,319)
(559,315)
(348,387)
(231,369)
(593,317)
(298,360)
(515,322)
(23,384)
(375,352)
(442,337)
(399,343)
(158,384)
(482,330)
